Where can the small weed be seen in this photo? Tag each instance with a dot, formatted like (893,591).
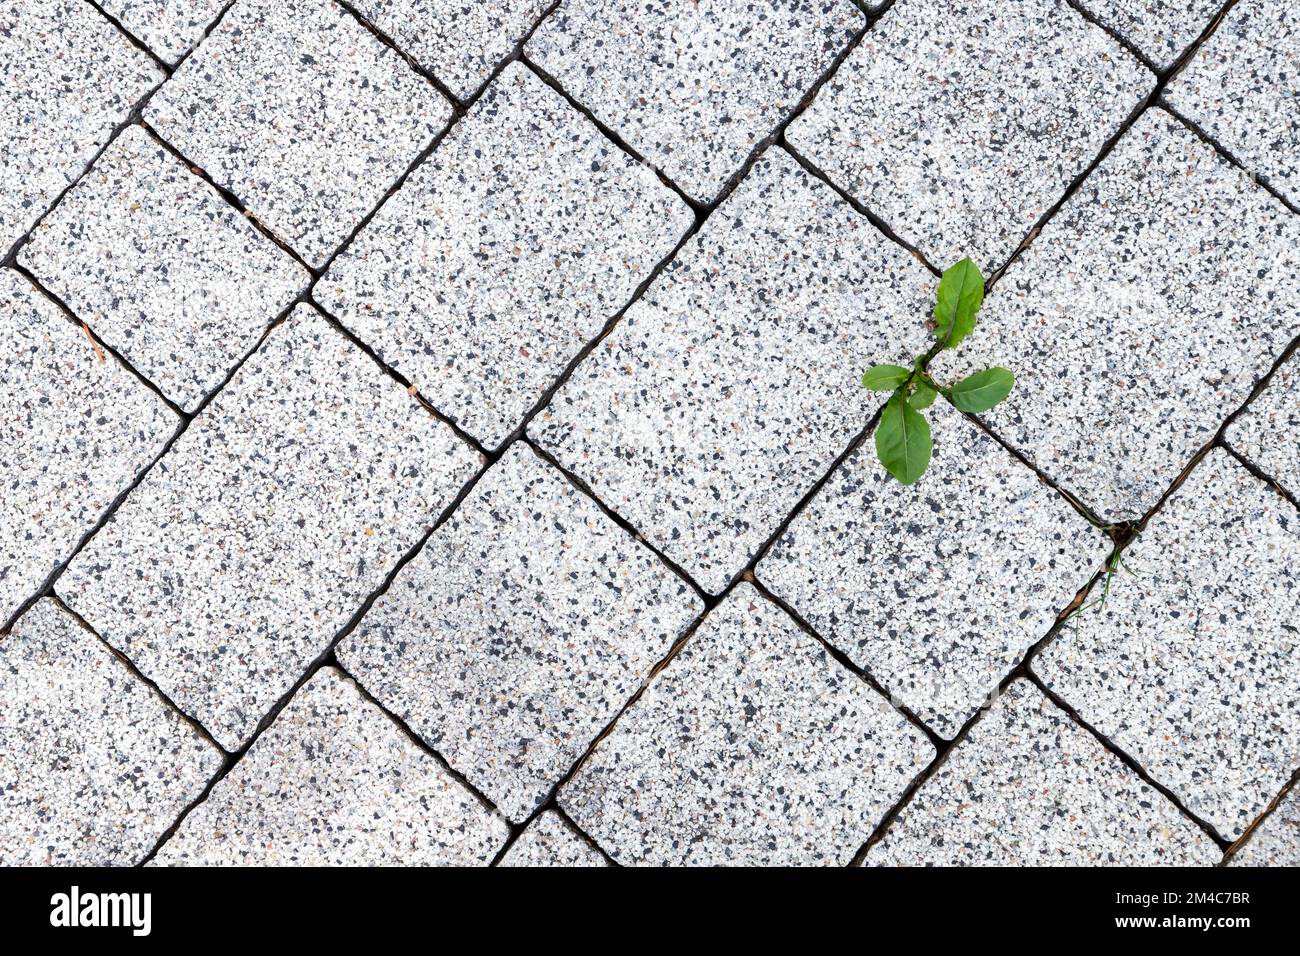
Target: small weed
(903,442)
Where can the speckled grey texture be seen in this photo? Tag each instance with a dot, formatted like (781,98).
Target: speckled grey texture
(303,114)
(334,782)
(728,389)
(1029,787)
(961,123)
(504,254)
(1243,87)
(753,746)
(549,841)
(95,765)
(1140,318)
(167,27)
(268,523)
(937,589)
(459,42)
(1161,29)
(693,87)
(523,626)
(162,268)
(69,79)
(1268,432)
(1276,841)
(75,433)
(1191,667)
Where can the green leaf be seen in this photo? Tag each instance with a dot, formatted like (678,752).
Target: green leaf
(961,293)
(885,378)
(923,397)
(983,390)
(903,440)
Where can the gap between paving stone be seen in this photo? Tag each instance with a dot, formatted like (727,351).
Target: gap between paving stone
(701,213)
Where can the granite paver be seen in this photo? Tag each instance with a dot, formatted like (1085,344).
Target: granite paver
(162,268)
(731,385)
(1190,667)
(960,124)
(937,589)
(1161,29)
(1243,87)
(753,746)
(1276,841)
(502,256)
(1141,317)
(1268,432)
(167,27)
(519,631)
(70,78)
(1029,787)
(303,114)
(96,766)
(334,782)
(693,87)
(75,429)
(258,536)
(549,841)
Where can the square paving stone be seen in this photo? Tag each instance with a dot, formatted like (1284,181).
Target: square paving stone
(1141,317)
(1276,841)
(167,27)
(519,631)
(549,841)
(1243,87)
(504,254)
(1268,432)
(96,765)
(728,389)
(334,782)
(460,43)
(753,746)
(1191,667)
(303,114)
(1030,787)
(76,431)
(162,268)
(268,523)
(70,77)
(693,87)
(1161,29)
(940,588)
(961,123)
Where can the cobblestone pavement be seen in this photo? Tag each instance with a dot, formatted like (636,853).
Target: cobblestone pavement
(433,433)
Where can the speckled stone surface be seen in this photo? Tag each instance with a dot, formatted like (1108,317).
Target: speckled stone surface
(1161,29)
(693,87)
(519,631)
(937,589)
(95,765)
(502,256)
(1191,667)
(460,43)
(334,782)
(162,268)
(69,79)
(75,433)
(549,841)
(1268,432)
(728,389)
(303,114)
(753,746)
(167,27)
(268,523)
(1140,318)
(1243,87)
(961,123)
(1276,841)
(1030,787)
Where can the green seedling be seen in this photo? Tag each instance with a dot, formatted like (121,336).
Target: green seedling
(903,442)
